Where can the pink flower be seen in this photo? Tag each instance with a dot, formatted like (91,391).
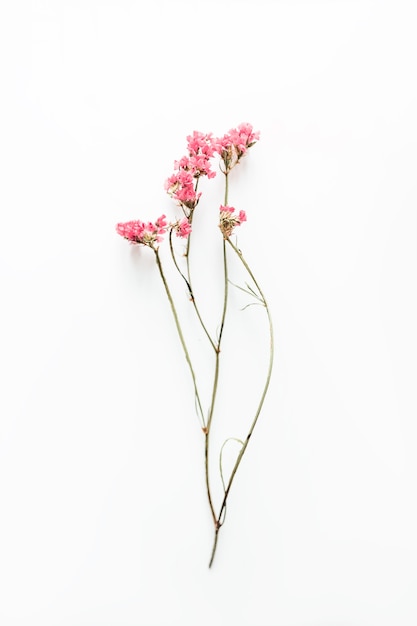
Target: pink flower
(197,165)
(228,220)
(234,144)
(243,137)
(200,166)
(182,228)
(146,233)
(200,143)
(180,187)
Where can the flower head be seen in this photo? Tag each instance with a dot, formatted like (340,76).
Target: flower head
(182,228)
(234,144)
(229,220)
(145,233)
(182,185)
(200,144)
(243,137)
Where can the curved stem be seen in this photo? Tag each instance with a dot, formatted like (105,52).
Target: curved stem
(215,383)
(181,336)
(261,401)
(189,287)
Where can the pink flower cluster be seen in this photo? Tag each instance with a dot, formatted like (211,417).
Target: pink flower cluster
(181,185)
(149,233)
(234,144)
(146,233)
(228,220)
(182,228)
(200,150)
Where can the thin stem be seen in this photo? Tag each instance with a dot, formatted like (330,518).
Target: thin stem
(190,219)
(219,522)
(265,389)
(213,551)
(215,384)
(187,249)
(190,289)
(207,477)
(181,336)
(226,188)
(225,298)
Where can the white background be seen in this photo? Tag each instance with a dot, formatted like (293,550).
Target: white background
(104,520)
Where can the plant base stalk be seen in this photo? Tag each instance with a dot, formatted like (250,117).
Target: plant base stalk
(213,551)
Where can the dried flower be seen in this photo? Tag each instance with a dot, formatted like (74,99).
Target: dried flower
(180,187)
(145,233)
(234,144)
(182,228)
(228,221)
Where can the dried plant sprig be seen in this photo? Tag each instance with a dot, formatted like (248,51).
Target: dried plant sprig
(242,451)
(182,186)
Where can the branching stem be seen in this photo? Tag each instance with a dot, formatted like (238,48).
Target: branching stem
(218,521)
(181,336)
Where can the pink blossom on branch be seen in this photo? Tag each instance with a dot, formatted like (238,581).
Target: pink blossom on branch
(243,137)
(197,165)
(181,186)
(145,233)
(200,144)
(234,144)
(229,220)
(182,228)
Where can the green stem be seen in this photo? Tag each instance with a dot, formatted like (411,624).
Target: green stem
(207,477)
(190,219)
(213,551)
(187,249)
(215,382)
(181,336)
(189,287)
(222,321)
(226,188)
(261,402)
